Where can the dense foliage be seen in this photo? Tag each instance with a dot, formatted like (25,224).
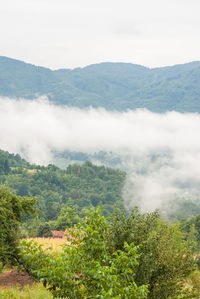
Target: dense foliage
(86,268)
(114,86)
(79,187)
(117,259)
(68,217)
(165,259)
(44,230)
(64,195)
(12,208)
(191,227)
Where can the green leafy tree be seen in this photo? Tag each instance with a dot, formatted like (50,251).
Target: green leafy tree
(44,230)
(192,238)
(191,229)
(12,208)
(86,268)
(68,217)
(165,259)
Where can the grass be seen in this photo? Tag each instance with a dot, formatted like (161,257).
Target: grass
(49,243)
(36,291)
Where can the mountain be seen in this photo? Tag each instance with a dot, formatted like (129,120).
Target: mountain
(114,86)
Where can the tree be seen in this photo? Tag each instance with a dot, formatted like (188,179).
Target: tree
(86,268)
(44,230)
(67,218)
(12,208)
(192,238)
(165,259)
(6,167)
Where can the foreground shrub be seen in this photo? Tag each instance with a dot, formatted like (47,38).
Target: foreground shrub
(12,208)
(44,230)
(87,268)
(165,259)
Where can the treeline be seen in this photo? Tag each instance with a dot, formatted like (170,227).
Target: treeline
(63,196)
(63,192)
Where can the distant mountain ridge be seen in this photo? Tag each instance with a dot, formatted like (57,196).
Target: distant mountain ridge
(114,86)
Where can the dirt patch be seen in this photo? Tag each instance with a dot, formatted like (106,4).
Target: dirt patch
(13,278)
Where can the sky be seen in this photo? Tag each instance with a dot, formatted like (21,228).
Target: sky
(76,33)
(161,152)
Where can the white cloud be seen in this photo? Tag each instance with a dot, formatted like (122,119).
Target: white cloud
(160,151)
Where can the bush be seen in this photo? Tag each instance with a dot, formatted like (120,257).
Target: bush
(86,268)
(44,230)
(12,208)
(165,260)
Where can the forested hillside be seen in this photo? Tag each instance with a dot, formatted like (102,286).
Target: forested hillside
(77,186)
(114,86)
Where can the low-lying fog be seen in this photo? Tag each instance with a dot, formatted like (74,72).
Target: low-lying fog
(163,149)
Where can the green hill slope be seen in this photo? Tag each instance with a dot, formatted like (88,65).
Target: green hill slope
(114,86)
(82,186)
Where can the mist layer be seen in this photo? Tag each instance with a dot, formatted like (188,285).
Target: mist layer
(161,152)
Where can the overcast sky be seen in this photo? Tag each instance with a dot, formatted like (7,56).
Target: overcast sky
(73,33)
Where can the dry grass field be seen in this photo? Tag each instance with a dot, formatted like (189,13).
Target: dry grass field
(54,244)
